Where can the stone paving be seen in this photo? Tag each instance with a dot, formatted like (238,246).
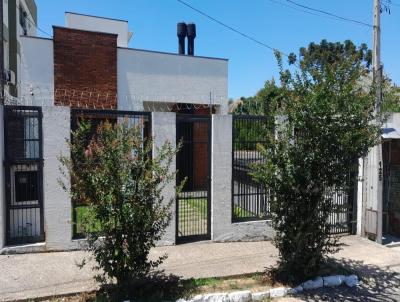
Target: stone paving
(46,274)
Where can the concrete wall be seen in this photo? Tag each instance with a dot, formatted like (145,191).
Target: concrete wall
(99,24)
(222,228)
(147,76)
(57,202)
(164,130)
(2,195)
(37,71)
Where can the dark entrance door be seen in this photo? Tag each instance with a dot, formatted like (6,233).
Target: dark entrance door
(23,174)
(193,206)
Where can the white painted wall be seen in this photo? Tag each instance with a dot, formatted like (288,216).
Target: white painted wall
(57,202)
(37,71)
(93,23)
(146,76)
(164,130)
(2,194)
(222,228)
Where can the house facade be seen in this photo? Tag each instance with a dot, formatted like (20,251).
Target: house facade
(88,70)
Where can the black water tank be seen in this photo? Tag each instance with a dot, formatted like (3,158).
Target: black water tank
(191,34)
(181,32)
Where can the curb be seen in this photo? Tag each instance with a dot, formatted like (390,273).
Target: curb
(279,292)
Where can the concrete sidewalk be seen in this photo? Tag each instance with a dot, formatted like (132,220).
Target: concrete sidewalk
(46,274)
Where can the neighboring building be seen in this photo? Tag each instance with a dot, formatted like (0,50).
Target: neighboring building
(19,19)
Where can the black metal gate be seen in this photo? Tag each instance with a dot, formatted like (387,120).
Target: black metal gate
(193,204)
(249,199)
(23,174)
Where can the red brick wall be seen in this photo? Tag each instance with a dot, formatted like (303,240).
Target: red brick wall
(85,68)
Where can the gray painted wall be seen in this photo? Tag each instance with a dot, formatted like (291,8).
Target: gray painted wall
(222,228)
(164,130)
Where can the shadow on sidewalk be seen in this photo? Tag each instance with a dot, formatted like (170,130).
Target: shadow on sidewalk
(376,284)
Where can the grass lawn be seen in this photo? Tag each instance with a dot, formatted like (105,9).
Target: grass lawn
(81,212)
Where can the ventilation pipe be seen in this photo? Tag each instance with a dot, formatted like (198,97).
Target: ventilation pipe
(191,34)
(181,32)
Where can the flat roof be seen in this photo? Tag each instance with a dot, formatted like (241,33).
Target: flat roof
(86,15)
(137,49)
(90,31)
(173,54)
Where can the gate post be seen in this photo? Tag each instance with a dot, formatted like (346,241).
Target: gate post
(56,202)
(163,130)
(221,175)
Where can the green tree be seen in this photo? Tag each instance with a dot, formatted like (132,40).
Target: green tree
(115,175)
(327,122)
(263,103)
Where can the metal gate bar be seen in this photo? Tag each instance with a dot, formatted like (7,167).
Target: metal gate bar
(193,207)
(23,174)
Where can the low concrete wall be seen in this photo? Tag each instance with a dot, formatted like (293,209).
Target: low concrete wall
(164,130)
(222,228)
(57,202)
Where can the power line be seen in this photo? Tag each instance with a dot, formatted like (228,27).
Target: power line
(330,14)
(303,10)
(232,28)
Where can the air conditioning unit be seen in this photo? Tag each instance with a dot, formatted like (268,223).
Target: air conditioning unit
(9,77)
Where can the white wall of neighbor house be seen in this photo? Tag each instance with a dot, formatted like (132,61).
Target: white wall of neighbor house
(222,228)
(2,193)
(37,71)
(148,76)
(164,130)
(99,24)
(57,202)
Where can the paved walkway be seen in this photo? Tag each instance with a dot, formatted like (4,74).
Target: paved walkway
(45,274)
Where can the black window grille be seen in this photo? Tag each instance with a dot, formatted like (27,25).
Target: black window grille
(23,174)
(95,118)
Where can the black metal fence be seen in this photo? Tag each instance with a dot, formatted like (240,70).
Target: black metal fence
(23,174)
(249,199)
(95,118)
(193,207)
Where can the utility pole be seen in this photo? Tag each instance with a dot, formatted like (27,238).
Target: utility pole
(374,166)
(376,56)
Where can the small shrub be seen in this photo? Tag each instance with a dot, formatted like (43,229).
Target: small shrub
(121,183)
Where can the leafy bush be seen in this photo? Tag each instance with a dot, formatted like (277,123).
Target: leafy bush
(122,184)
(327,123)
